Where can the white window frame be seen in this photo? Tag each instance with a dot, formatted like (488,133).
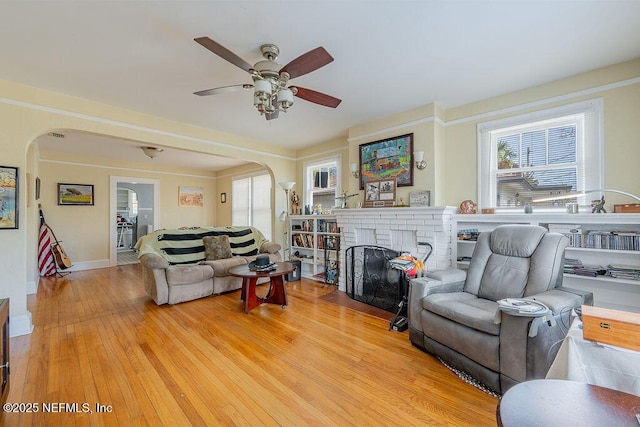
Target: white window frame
(307,179)
(267,232)
(590,150)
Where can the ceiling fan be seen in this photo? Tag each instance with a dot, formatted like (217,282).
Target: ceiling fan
(271,93)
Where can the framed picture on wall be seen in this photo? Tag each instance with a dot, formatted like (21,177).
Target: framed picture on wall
(75,194)
(390,158)
(9,198)
(191,196)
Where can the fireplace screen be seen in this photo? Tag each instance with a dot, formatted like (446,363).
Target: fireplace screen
(370,279)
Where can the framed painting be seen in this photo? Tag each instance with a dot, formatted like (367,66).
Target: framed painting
(380,194)
(8,198)
(75,194)
(191,197)
(390,158)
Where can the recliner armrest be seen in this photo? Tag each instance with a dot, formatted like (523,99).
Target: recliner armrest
(154,261)
(561,299)
(452,275)
(587,297)
(420,288)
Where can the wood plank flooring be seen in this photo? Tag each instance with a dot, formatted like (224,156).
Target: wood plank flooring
(99,340)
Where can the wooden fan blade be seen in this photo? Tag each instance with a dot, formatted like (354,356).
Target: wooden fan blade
(307,62)
(224,89)
(224,53)
(317,97)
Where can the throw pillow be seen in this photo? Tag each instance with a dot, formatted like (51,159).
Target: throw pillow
(217,247)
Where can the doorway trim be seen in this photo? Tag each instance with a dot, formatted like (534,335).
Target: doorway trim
(113,206)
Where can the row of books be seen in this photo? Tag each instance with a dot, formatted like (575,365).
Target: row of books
(598,239)
(306,225)
(307,241)
(327,226)
(323,226)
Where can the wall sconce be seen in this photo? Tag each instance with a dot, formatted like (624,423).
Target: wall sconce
(420,162)
(354,170)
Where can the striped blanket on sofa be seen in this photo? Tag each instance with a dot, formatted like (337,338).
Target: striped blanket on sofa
(185,246)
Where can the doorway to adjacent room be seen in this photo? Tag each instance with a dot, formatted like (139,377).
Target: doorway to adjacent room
(134,208)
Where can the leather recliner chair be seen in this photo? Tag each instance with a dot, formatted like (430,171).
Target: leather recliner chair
(454,314)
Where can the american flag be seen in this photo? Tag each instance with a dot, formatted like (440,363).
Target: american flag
(46,263)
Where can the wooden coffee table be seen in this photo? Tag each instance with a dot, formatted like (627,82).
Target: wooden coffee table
(566,403)
(277,291)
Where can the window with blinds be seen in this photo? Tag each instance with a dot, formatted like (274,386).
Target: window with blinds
(251,202)
(322,183)
(540,155)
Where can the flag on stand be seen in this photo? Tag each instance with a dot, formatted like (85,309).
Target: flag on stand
(46,263)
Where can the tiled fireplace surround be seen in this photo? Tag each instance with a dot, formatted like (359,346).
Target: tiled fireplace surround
(400,229)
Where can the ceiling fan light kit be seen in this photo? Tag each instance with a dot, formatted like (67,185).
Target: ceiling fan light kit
(271,93)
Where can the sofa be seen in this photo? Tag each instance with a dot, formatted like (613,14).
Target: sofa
(455,314)
(175,268)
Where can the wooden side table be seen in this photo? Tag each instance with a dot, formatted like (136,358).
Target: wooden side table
(552,403)
(277,291)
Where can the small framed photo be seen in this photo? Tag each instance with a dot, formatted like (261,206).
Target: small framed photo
(223,197)
(380,193)
(8,198)
(420,198)
(75,194)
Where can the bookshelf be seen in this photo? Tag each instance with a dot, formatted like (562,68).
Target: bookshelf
(315,241)
(596,240)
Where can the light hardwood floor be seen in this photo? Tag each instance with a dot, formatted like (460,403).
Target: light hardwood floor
(98,339)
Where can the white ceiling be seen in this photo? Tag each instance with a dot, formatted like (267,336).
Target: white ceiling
(101,146)
(390,56)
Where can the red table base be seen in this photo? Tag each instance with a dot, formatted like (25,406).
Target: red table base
(277,293)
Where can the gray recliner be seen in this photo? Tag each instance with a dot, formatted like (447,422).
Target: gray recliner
(457,318)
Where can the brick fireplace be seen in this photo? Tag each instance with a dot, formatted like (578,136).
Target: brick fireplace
(400,229)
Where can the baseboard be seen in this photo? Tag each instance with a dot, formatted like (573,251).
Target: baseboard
(20,325)
(89,265)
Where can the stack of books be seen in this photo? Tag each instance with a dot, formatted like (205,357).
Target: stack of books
(575,266)
(571,264)
(620,271)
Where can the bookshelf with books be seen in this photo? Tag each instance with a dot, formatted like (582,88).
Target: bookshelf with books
(315,241)
(603,254)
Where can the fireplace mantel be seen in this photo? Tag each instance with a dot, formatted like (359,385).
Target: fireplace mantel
(400,229)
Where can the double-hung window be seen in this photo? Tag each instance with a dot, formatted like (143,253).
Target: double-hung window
(322,183)
(251,202)
(540,155)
